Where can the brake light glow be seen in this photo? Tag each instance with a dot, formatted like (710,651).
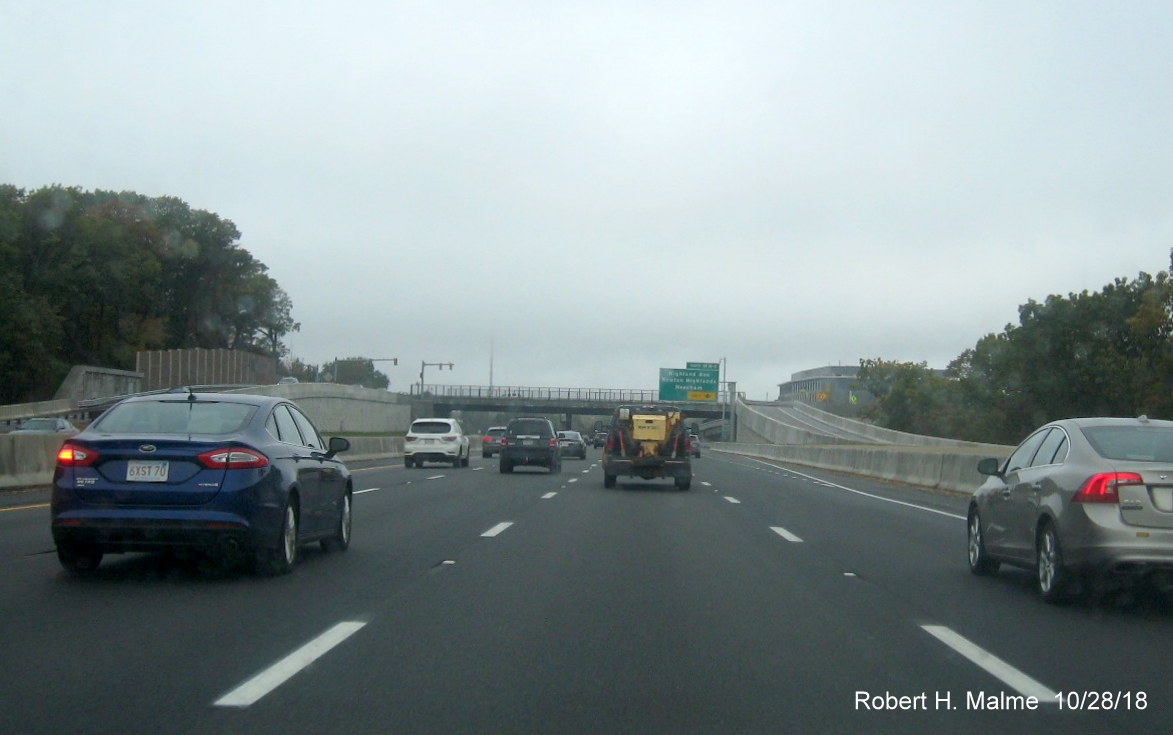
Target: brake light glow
(554,442)
(233,458)
(504,442)
(1104,487)
(71,455)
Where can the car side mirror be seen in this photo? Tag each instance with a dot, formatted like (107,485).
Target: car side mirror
(989,466)
(337,444)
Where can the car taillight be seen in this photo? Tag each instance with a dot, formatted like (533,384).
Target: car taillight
(1104,487)
(409,438)
(233,458)
(71,455)
(504,442)
(450,438)
(554,442)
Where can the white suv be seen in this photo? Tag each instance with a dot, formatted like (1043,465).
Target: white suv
(435,440)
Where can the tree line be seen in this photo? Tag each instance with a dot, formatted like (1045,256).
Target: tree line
(91,277)
(1105,353)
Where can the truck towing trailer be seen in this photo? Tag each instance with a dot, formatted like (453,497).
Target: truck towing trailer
(648,442)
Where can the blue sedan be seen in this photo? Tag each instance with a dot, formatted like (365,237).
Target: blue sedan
(232,475)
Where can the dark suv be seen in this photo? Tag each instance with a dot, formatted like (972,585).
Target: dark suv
(530,441)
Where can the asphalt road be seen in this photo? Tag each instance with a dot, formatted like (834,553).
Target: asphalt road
(765,600)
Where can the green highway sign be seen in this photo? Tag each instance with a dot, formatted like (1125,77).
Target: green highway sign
(703,366)
(689,384)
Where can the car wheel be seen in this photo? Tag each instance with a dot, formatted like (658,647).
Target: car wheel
(407,461)
(608,480)
(1052,578)
(980,562)
(79,561)
(341,539)
(281,558)
(683,483)
(506,467)
(467,459)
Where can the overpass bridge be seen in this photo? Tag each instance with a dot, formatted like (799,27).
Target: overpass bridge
(444,399)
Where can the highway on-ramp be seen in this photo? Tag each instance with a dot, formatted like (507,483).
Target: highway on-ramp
(767,599)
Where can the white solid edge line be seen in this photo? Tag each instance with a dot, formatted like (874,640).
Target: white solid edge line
(786,534)
(871,495)
(993,665)
(280,672)
(497,529)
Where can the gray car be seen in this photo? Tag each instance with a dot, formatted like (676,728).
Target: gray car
(1079,501)
(45,426)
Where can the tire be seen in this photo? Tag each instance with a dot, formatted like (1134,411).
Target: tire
(980,562)
(79,561)
(683,483)
(1051,577)
(340,541)
(609,480)
(506,467)
(281,559)
(407,461)
(467,459)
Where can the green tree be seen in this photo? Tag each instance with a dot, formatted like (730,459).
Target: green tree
(356,371)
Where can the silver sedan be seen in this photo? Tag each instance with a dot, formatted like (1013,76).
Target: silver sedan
(1079,500)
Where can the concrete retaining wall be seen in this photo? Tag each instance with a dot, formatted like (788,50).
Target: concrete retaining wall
(942,468)
(28,460)
(341,408)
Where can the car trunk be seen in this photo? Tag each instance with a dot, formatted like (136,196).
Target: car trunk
(1149,505)
(128,472)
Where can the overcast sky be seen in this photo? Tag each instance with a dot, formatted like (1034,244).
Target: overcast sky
(590,191)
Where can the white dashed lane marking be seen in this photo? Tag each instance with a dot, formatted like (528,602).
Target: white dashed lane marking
(280,672)
(497,529)
(786,534)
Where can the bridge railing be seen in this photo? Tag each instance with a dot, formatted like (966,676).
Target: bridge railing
(616,395)
(607,395)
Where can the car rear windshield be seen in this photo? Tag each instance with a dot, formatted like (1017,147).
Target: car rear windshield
(176,417)
(431,427)
(1136,443)
(495,432)
(530,428)
(40,424)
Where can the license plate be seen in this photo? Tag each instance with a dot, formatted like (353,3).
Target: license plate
(528,442)
(142,470)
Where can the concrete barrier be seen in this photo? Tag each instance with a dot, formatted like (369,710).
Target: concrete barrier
(28,460)
(941,468)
